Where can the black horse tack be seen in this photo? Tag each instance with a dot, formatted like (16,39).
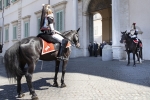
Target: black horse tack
(131,47)
(28,51)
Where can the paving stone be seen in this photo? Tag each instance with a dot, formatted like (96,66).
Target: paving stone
(87,78)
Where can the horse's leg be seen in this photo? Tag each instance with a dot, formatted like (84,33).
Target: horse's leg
(63,73)
(20,94)
(134,59)
(19,90)
(137,55)
(57,63)
(140,55)
(128,58)
(28,76)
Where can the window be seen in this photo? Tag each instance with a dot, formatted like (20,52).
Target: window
(38,16)
(6,3)
(59,21)
(38,24)
(13,0)
(0,4)
(6,34)
(26,29)
(14,29)
(14,32)
(26,20)
(96,30)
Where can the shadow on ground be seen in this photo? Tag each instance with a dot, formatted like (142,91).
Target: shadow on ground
(115,69)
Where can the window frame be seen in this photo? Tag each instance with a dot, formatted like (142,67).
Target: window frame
(15,34)
(6,3)
(15,24)
(59,26)
(61,6)
(7,35)
(28,29)
(38,24)
(26,19)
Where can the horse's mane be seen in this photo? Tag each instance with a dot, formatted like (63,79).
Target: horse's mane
(66,32)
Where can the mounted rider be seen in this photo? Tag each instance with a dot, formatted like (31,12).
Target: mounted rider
(133,35)
(47,26)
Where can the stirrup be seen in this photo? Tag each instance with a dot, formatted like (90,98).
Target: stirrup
(61,58)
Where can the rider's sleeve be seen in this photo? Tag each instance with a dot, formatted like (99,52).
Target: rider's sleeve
(50,21)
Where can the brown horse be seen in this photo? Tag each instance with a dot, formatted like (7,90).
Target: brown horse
(28,51)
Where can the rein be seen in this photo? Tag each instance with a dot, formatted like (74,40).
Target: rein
(63,35)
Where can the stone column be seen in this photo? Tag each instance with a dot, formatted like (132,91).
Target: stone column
(75,13)
(120,22)
(91,35)
(116,46)
(74,19)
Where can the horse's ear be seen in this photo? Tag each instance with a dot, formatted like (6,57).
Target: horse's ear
(78,30)
(126,31)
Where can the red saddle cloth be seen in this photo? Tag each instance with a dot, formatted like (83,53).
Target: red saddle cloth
(49,47)
(140,44)
(135,41)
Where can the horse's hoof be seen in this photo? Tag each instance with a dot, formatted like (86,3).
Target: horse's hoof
(21,95)
(35,97)
(63,85)
(55,85)
(134,65)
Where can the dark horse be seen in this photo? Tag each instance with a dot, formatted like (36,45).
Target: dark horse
(131,47)
(28,51)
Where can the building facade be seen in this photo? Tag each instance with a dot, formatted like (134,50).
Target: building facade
(22,18)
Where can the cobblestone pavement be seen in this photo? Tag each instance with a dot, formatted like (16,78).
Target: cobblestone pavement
(87,78)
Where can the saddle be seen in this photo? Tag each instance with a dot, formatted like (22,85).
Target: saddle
(138,42)
(49,43)
(50,47)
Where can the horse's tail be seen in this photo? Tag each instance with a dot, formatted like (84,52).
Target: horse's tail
(11,60)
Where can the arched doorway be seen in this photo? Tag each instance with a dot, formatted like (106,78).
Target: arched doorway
(103,7)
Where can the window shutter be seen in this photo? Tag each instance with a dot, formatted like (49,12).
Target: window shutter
(6,35)
(26,30)
(5,3)
(61,21)
(0,4)
(39,25)
(57,21)
(14,32)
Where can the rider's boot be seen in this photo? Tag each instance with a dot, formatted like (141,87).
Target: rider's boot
(62,50)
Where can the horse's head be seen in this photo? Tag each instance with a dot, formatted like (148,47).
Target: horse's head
(76,38)
(123,37)
(73,37)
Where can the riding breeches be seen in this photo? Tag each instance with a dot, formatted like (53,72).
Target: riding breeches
(58,37)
